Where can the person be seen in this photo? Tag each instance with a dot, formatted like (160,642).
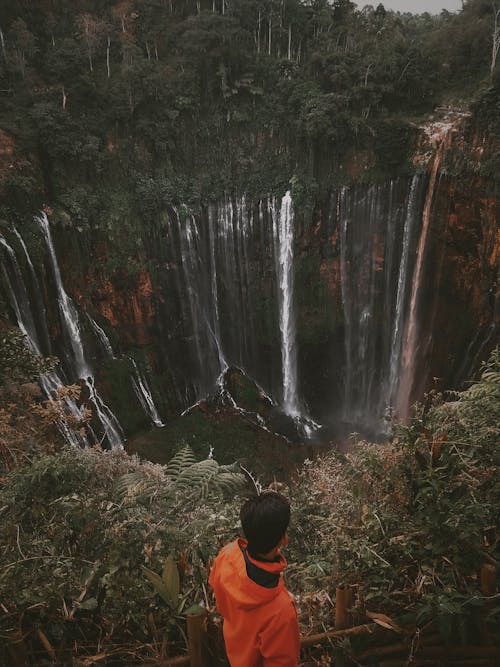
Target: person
(260,625)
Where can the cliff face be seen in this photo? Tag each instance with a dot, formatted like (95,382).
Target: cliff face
(391,289)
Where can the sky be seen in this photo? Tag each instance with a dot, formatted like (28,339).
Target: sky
(416,6)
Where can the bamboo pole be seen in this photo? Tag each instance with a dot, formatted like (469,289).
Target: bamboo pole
(367,629)
(399,647)
(460,651)
(168,662)
(488,586)
(343,604)
(432,663)
(196,632)
(488,579)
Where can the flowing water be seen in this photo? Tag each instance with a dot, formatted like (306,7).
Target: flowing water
(228,279)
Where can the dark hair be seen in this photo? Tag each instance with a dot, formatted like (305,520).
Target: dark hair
(264,520)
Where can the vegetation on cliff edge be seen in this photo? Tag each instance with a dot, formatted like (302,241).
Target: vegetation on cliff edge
(407,524)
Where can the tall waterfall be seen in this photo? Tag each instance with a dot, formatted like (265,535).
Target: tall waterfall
(21,305)
(67,308)
(284,233)
(221,264)
(378,229)
(71,327)
(411,342)
(224,295)
(212,273)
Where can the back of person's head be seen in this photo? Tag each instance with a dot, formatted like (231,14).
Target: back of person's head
(265,519)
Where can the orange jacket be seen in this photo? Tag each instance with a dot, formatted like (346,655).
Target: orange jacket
(260,621)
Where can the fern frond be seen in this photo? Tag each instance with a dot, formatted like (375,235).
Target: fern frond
(180,462)
(134,485)
(230,482)
(197,478)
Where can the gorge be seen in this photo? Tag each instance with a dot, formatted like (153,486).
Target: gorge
(338,316)
(220,205)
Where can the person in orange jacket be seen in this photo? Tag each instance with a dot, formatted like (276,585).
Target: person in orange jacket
(260,621)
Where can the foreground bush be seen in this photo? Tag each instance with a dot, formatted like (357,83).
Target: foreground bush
(76,529)
(408,524)
(411,523)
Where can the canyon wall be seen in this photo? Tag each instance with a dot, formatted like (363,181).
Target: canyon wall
(365,300)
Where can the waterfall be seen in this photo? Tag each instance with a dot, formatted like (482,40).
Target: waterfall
(102,337)
(221,264)
(71,327)
(51,382)
(144,395)
(402,292)
(42,315)
(215,331)
(21,305)
(284,271)
(112,428)
(67,308)
(410,353)
(377,228)
(197,287)
(139,384)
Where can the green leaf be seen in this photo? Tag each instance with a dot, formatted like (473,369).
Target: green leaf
(170,578)
(89,604)
(195,610)
(159,586)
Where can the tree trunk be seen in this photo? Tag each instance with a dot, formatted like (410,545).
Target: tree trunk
(289,41)
(258,32)
(2,42)
(107,57)
(495,40)
(270,32)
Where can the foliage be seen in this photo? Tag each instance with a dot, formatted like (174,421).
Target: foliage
(75,546)
(85,533)
(185,100)
(410,523)
(18,363)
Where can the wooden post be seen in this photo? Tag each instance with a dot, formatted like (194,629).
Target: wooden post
(488,579)
(196,631)
(488,585)
(343,603)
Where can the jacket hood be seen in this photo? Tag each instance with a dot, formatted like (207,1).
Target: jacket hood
(237,573)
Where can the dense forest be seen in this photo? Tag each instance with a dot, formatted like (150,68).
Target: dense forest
(184,100)
(128,125)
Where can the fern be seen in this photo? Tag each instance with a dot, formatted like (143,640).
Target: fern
(181,461)
(134,486)
(185,476)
